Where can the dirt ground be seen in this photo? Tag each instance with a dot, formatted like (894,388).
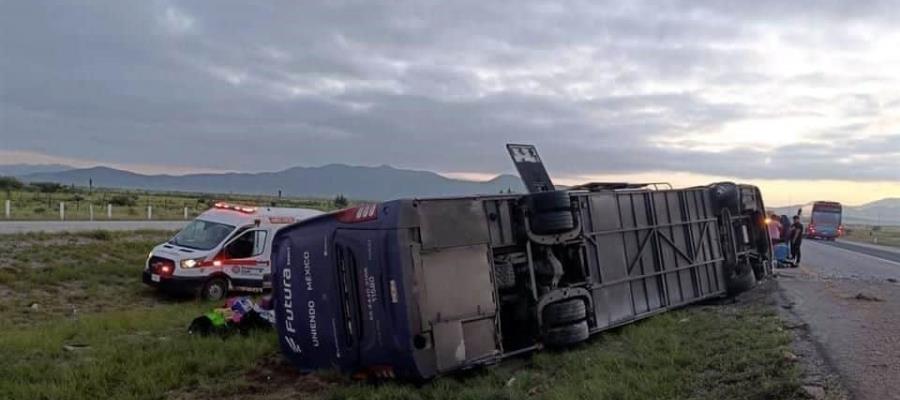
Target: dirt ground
(819,378)
(854,324)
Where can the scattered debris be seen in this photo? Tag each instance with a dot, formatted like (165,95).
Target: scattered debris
(34,306)
(814,391)
(239,314)
(510,382)
(795,326)
(683,320)
(867,297)
(788,356)
(75,347)
(787,306)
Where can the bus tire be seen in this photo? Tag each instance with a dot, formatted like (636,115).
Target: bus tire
(557,200)
(727,195)
(564,312)
(215,289)
(741,281)
(760,270)
(567,335)
(552,222)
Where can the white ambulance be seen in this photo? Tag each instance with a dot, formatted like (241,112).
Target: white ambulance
(226,248)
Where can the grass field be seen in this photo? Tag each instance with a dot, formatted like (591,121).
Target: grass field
(131,204)
(697,353)
(78,324)
(885,235)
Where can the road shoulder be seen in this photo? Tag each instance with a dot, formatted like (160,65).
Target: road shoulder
(848,327)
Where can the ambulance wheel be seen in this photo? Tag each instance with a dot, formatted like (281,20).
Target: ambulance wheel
(215,289)
(564,312)
(567,335)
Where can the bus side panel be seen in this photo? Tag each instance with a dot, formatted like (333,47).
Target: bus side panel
(614,298)
(642,294)
(651,251)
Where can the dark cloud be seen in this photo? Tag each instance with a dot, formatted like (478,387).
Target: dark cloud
(602,88)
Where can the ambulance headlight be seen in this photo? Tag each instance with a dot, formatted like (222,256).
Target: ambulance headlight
(191,262)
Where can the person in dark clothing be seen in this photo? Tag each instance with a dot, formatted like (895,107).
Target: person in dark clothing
(785,228)
(796,238)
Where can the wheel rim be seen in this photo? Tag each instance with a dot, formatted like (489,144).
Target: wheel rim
(214,291)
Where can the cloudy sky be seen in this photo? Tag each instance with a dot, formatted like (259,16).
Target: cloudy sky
(801,97)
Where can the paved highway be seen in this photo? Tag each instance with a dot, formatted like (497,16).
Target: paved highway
(851,260)
(849,297)
(8,227)
(884,252)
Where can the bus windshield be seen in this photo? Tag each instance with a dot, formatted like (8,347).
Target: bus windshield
(826,218)
(202,235)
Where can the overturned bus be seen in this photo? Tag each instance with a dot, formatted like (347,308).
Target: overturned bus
(421,287)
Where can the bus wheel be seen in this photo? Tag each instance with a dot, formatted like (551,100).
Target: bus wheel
(555,222)
(727,195)
(743,280)
(567,335)
(215,289)
(564,312)
(551,212)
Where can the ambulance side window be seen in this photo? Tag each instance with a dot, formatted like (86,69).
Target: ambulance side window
(248,244)
(259,242)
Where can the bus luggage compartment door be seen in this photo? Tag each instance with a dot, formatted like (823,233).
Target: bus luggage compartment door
(456,295)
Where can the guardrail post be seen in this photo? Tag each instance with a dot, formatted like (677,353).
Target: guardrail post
(8,209)
(149,212)
(109,211)
(62,211)
(91,211)
(185,212)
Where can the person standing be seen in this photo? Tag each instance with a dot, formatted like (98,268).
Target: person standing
(796,238)
(774,225)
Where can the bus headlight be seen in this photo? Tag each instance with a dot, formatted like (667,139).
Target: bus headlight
(190,263)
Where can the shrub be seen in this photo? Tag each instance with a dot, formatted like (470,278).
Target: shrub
(47,187)
(8,184)
(99,235)
(340,201)
(123,200)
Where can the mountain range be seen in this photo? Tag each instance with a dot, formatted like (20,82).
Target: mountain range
(355,182)
(25,169)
